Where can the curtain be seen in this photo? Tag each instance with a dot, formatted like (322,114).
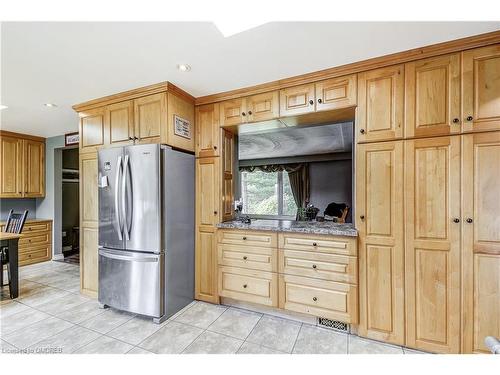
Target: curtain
(274,167)
(299,183)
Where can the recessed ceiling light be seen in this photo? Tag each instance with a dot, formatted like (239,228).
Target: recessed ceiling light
(3,106)
(184,67)
(50,105)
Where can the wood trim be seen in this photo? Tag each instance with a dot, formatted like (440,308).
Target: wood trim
(134,94)
(5,133)
(359,66)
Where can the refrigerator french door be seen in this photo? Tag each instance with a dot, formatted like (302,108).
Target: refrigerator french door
(140,189)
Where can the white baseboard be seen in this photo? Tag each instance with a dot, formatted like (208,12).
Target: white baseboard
(57,256)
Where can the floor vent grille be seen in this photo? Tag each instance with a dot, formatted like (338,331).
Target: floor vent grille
(334,324)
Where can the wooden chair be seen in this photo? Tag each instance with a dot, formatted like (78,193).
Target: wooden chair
(15,224)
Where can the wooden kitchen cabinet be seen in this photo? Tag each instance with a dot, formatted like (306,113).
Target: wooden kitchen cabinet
(88,224)
(207,130)
(380,108)
(11,164)
(227,187)
(22,166)
(297,100)
(379,207)
(432,269)
(481,89)
(336,93)
(119,119)
(150,117)
(263,107)
(480,240)
(92,129)
(432,90)
(208,178)
(233,112)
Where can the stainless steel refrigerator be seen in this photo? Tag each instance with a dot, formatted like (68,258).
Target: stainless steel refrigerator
(146,229)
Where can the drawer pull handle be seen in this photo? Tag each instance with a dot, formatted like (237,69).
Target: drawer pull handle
(315,244)
(315,299)
(314,266)
(311,102)
(244,238)
(469,220)
(470,118)
(245,286)
(245,257)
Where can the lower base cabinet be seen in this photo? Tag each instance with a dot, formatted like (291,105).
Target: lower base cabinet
(206,265)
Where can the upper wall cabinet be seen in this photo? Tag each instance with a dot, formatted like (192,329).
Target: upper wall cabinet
(262,107)
(207,130)
(150,117)
(92,129)
(481,89)
(119,119)
(336,93)
(432,89)
(22,166)
(233,112)
(297,100)
(380,104)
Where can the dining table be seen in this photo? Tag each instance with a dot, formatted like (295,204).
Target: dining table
(10,240)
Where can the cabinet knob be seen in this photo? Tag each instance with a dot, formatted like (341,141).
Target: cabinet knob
(245,285)
(249,113)
(315,244)
(314,266)
(469,118)
(362,217)
(320,100)
(456,220)
(135,138)
(315,299)
(245,257)
(130,138)
(311,102)
(215,147)
(243,114)
(456,121)
(244,238)
(215,212)
(362,131)
(469,220)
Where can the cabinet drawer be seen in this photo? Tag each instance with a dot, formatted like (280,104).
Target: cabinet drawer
(34,239)
(35,255)
(253,238)
(36,227)
(249,257)
(248,285)
(324,266)
(322,244)
(319,298)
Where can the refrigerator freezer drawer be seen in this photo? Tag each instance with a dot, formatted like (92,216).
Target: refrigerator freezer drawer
(132,281)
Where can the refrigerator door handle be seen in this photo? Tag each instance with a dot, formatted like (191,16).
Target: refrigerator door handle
(117,222)
(137,258)
(125,192)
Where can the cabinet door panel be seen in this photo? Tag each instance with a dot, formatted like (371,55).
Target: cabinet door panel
(380,104)
(433,244)
(233,112)
(206,265)
(120,122)
(11,154)
(481,88)
(297,100)
(263,107)
(481,239)
(208,178)
(207,130)
(336,93)
(379,198)
(433,96)
(150,117)
(227,176)
(34,168)
(91,130)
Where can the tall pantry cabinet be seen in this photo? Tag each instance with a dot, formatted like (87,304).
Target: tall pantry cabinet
(430,268)
(214,195)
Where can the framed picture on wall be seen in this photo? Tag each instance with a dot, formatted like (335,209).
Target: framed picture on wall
(71,139)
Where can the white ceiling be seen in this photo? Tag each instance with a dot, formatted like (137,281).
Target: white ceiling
(68,63)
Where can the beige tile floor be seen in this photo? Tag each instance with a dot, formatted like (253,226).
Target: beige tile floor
(51,316)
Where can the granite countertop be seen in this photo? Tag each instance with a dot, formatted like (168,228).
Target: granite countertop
(325,227)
